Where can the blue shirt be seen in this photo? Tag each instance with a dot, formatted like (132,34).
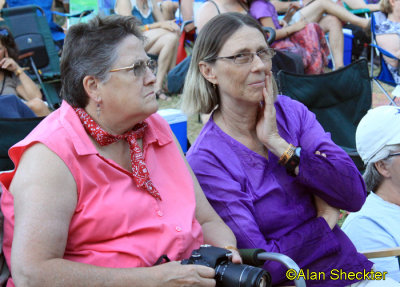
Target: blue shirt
(145,19)
(376,226)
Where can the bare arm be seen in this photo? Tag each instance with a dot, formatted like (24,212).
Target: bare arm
(187,13)
(44,200)
(391,43)
(123,7)
(158,16)
(284,31)
(215,231)
(205,13)
(27,89)
(282,7)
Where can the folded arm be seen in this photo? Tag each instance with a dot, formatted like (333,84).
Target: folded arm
(236,208)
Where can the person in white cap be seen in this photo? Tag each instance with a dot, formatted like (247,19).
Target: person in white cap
(377,224)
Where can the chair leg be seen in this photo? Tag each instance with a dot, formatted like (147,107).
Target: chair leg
(392,102)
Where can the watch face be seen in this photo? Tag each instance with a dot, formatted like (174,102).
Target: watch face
(297,151)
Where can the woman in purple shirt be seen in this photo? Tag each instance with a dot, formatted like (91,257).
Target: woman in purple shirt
(265,164)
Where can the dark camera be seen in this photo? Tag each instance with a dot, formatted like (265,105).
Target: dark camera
(228,274)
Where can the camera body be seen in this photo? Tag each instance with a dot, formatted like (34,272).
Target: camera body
(226,272)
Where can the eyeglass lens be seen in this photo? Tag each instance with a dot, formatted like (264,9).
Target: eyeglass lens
(265,55)
(140,67)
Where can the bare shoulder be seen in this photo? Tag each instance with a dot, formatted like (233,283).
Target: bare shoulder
(41,173)
(207,11)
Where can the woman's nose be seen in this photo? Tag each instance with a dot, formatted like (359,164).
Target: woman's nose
(149,77)
(259,65)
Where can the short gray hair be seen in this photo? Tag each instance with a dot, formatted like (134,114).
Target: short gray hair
(372,177)
(199,95)
(91,49)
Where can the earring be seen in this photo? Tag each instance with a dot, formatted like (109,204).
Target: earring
(98,108)
(215,87)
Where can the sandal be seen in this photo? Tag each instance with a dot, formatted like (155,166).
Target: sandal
(162,95)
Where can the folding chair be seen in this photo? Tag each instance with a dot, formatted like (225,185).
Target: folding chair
(32,35)
(384,74)
(339,100)
(12,131)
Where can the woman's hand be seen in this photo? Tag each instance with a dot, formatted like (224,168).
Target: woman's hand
(170,26)
(175,274)
(9,64)
(329,213)
(266,128)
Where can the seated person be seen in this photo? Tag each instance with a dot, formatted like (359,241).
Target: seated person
(101,189)
(387,31)
(12,107)
(162,36)
(284,60)
(302,38)
(264,162)
(376,225)
(324,12)
(284,6)
(13,78)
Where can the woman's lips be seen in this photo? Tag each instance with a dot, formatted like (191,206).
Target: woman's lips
(150,94)
(258,83)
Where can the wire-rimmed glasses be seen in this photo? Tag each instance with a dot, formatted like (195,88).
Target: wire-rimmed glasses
(139,68)
(265,55)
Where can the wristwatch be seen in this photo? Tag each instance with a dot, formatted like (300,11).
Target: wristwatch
(293,162)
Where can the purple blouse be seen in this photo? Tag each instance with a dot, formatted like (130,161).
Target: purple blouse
(268,209)
(262,9)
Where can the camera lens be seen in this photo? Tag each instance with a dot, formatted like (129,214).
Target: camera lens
(240,275)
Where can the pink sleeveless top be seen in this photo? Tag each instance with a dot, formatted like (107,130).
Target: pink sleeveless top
(115,224)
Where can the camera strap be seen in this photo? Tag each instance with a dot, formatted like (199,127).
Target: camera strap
(162,259)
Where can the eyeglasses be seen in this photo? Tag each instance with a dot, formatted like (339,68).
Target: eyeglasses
(394,154)
(139,68)
(265,55)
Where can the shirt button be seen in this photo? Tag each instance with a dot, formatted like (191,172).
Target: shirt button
(178,229)
(160,213)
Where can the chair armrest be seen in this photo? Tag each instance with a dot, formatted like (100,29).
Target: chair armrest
(387,252)
(185,23)
(271,35)
(285,260)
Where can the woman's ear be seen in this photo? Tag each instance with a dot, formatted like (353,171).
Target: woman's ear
(383,169)
(207,70)
(91,86)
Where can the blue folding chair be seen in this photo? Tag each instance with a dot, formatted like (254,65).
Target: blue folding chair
(384,75)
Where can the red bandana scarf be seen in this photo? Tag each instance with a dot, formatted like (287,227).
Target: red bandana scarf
(139,169)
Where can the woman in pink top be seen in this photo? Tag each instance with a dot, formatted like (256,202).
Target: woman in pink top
(100,187)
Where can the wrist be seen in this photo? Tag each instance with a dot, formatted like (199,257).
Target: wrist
(276,145)
(331,223)
(231,247)
(18,72)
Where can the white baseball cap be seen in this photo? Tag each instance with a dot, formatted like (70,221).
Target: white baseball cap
(378,128)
